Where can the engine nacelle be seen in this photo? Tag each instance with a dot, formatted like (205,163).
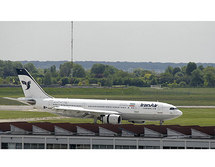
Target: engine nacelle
(111,119)
(27,100)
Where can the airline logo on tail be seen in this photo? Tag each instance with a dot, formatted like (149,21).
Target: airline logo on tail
(27,84)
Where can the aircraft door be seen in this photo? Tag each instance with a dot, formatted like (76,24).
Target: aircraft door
(137,108)
(160,109)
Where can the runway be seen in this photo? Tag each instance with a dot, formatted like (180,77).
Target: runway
(16,108)
(195,106)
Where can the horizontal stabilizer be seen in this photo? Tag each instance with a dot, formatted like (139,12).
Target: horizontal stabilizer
(17,99)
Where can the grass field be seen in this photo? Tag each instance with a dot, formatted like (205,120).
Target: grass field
(201,117)
(192,116)
(175,96)
(24,114)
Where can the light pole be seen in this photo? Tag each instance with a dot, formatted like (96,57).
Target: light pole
(72,50)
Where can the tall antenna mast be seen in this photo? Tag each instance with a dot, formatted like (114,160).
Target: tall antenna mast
(72,49)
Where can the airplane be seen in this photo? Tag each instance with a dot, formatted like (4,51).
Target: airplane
(107,111)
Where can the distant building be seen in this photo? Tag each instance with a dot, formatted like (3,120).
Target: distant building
(23,135)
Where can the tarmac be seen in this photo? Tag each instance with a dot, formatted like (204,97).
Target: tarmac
(195,106)
(16,108)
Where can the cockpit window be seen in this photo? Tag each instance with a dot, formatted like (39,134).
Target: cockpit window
(173,108)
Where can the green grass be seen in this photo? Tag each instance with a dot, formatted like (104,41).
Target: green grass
(175,96)
(24,114)
(192,116)
(201,117)
(11,92)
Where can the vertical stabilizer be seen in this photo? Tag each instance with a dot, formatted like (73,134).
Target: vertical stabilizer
(30,87)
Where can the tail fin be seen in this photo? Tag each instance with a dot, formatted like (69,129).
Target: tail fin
(30,87)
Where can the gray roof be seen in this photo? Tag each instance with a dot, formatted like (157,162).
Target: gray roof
(138,130)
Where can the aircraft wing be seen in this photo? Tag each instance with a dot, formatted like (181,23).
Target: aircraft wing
(80,110)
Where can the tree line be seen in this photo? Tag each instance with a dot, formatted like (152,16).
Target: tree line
(189,75)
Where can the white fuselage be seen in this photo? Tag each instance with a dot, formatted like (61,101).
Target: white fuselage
(129,110)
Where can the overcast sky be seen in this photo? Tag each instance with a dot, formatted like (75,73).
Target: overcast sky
(109,41)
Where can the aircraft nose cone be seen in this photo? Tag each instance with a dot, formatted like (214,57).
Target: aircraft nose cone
(179,113)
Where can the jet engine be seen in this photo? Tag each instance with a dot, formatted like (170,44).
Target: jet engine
(111,119)
(27,100)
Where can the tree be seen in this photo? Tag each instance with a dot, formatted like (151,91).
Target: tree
(30,67)
(127,81)
(191,66)
(1,81)
(78,71)
(197,78)
(106,82)
(8,69)
(117,81)
(109,82)
(16,65)
(182,84)
(165,78)
(93,80)
(183,69)
(176,70)
(53,71)
(97,70)
(47,79)
(209,76)
(137,82)
(154,80)
(64,81)
(65,69)
(169,70)
(139,72)
(179,76)
(201,67)
(109,71)
(123,74)
(173,85)
(1,68)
